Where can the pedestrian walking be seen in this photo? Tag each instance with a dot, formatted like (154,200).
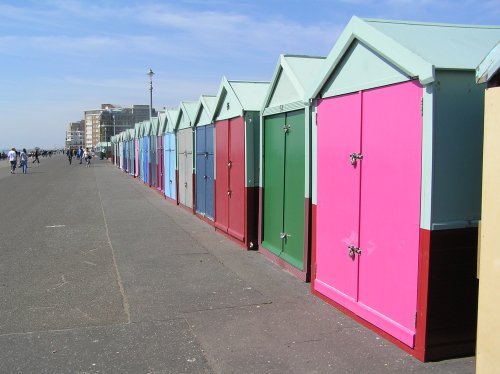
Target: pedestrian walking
(87,156)
(70,155)
(35,156)
(24,160)
(12,156)
(79,154)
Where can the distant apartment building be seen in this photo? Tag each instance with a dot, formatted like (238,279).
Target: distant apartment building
(75,135)
(91,125)
(102,124)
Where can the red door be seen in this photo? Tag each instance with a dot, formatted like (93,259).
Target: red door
(222,175)
(236,168)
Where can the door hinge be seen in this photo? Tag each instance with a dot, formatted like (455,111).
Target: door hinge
(415,320)
(422,106)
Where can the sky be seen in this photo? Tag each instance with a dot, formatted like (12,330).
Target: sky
(61,57)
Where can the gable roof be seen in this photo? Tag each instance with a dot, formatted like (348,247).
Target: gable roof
(299,68)
(414,47)
(188,109)
(250,94)
(207,103)
(489,66)
(172,115)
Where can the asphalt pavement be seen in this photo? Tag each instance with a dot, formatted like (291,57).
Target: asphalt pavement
(101,274)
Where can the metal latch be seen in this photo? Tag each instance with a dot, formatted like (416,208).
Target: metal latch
(205,177)
(284,235)
(352,250)
(185,184)
(229,193)
(354,157)
(206,154)
(229,164)
(286,128)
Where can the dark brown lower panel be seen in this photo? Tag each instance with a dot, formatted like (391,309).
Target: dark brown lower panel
(252,218)
(452,294)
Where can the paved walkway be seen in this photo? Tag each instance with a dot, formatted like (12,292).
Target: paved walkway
(100,274)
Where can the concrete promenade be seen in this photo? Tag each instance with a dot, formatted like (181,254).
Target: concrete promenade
(100,274)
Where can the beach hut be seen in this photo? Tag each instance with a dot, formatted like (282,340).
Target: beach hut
(237,126)
(397,181)
(131,136)
(184,136)
(146,129)
(153,131)
(121,150)
(160,167)
(137,158)
(169,154)
(488,328)
(112,140)
(285,175)
(204,160)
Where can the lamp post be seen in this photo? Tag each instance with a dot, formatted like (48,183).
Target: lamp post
(150,74)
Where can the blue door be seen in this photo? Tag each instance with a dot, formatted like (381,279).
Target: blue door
(205,170)
(169,164)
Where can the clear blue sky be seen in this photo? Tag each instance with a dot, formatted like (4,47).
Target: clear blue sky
(61,57)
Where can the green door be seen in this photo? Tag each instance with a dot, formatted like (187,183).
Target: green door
(294,200)
(274,177)
(284,195)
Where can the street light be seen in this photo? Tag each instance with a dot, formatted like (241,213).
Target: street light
(150,74)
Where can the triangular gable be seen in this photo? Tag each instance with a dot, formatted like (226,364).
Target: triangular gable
(360,69)
(291,77)
(137,128)
(172,115)
(162,118)
(205,110)
(185,119)
(359,30)
(415,49)
(227,103)
(236,97)
(153,128)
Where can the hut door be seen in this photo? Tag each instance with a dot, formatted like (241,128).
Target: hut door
(181,154)
(200,170)
(161,164)
(284,171)
(188,141)
(152,160)
(146,161)
(368,204)
(236,167)
(205,170)
(222,178)
(170,187)
(230,192)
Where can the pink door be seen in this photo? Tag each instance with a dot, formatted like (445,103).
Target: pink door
(371,204)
